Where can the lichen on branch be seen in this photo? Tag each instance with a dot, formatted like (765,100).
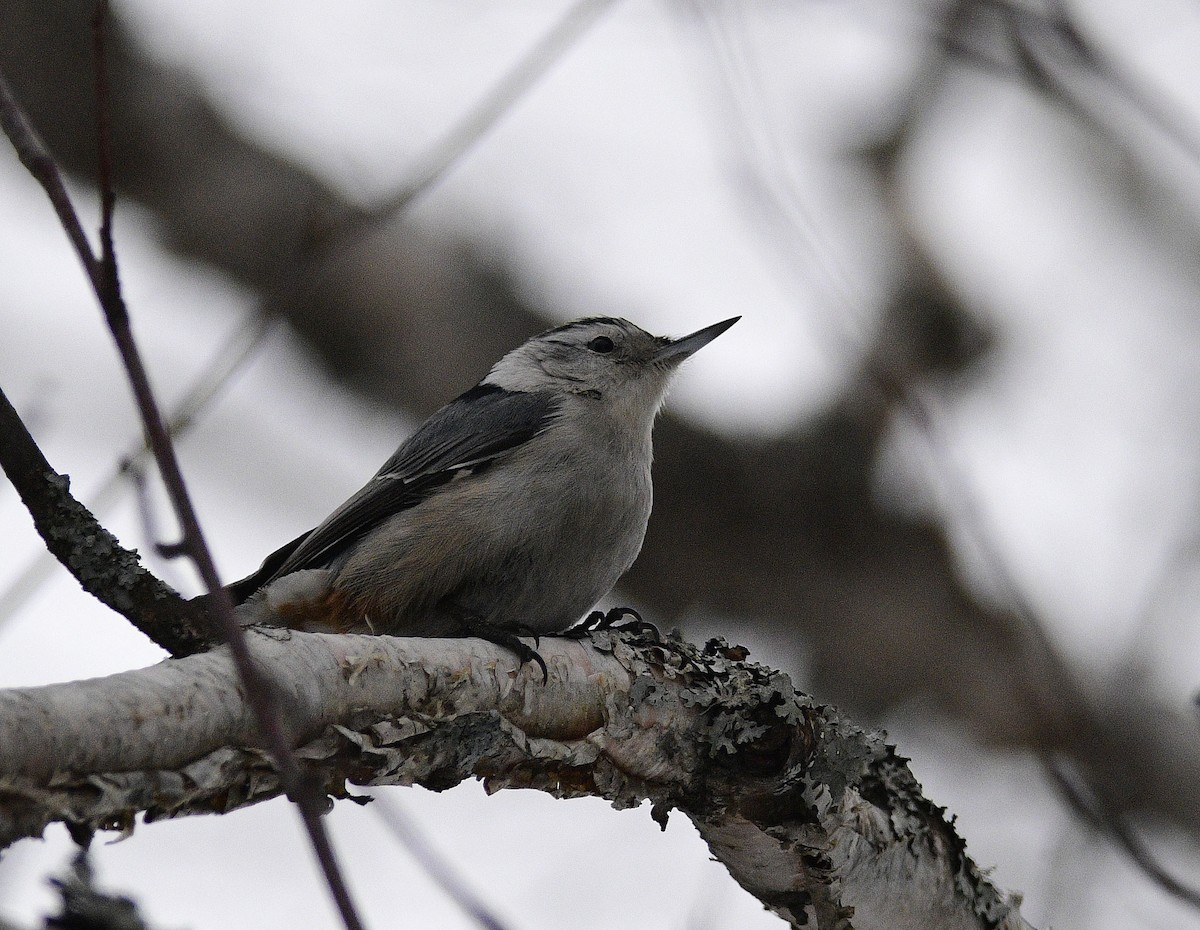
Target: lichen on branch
(819,819)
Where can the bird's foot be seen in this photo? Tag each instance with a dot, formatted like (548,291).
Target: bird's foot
(613,620)
(507,639)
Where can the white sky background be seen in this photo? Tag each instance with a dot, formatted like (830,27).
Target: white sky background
(612,186)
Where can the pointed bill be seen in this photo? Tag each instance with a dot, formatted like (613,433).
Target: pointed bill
(678,349)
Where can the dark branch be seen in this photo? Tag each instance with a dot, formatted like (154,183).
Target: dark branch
(39,163)
(263,699)
(105,282)
(1093,810)
(106,570)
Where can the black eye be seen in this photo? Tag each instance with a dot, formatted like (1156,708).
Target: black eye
(601,344)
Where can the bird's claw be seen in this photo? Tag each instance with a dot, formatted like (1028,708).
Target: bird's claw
(522,630)
(526,654)
(508,640)
(613,620)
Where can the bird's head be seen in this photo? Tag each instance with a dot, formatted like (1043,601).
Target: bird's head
(604,359)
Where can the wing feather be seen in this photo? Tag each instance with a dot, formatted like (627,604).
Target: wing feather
(471,431)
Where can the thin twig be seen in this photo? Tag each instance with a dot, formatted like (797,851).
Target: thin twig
(524,74)
(409,835)
(220,371)
(108,197)
(1047,681)
(37,161)
(105,569)
(1080,796)
(1030,26)
(262,695)
(102,273)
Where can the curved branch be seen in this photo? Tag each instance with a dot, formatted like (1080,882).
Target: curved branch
(410,321)
(817,818)
(103,567)
(796,521)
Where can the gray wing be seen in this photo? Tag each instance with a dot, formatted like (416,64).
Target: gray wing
(466,435)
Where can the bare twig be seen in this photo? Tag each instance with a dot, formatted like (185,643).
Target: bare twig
(498,100)
(409,835)
(1047,681)
(105,282)
(1045,38)
(1040,43)
(38,162)
(145,507)
(108,198)
(1091,807)
(262,696)
(222,367)
(771,178)
(110,573)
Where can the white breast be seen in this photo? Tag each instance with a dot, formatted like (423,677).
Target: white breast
(531,542)
(574,526)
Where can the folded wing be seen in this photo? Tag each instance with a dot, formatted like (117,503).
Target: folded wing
(461,439)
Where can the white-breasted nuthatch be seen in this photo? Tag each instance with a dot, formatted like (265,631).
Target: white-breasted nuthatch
(514,508)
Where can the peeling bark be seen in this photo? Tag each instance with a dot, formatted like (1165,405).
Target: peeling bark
(819,819)
(784,534)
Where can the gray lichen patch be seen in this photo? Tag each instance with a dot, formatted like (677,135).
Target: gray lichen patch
(804,782)
(108,571)
(819,818)
(738,702)
(92,554)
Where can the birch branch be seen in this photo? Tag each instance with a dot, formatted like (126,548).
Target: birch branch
(818,819)
(741,527)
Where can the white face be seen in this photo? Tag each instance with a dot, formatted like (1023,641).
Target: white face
(602,358)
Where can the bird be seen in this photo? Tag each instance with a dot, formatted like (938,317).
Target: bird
(512,510)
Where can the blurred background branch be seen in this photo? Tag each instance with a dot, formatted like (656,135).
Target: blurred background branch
(794,540)
(785,532)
